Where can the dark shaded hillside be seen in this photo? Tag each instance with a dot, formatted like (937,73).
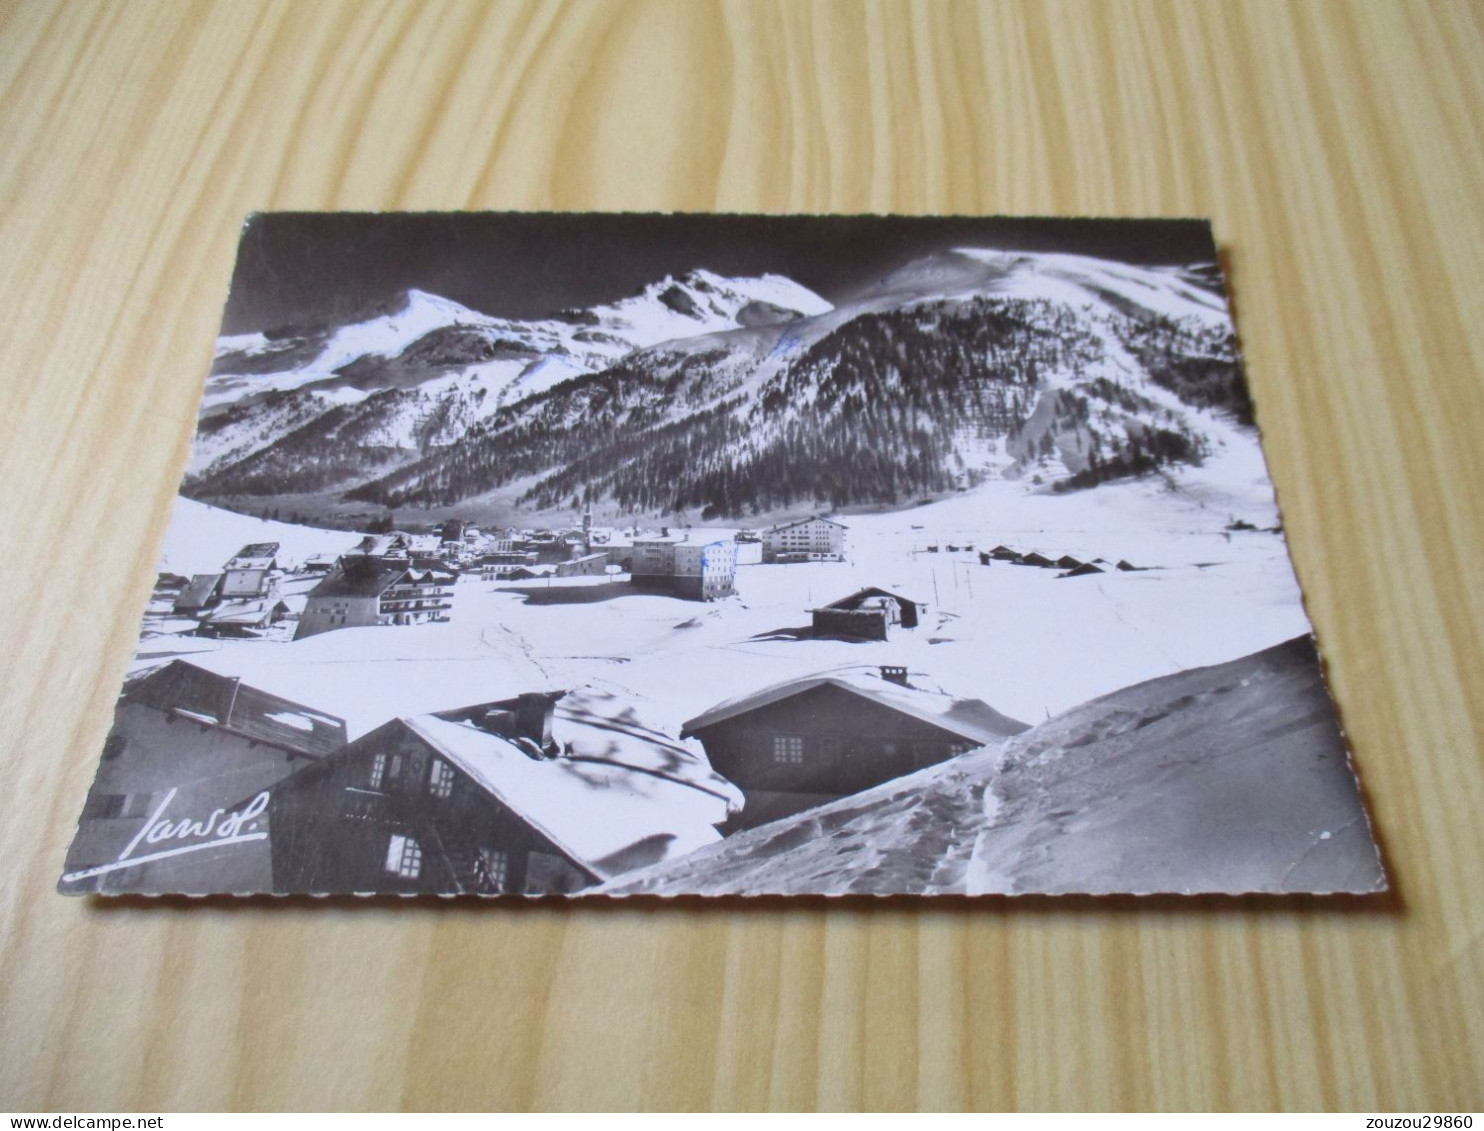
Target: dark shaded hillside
(334,449)
(868,414)
(1198,365)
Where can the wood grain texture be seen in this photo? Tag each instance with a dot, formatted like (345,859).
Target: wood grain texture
(1339,148)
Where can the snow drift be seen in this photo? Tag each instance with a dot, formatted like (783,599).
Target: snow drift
(1231,778)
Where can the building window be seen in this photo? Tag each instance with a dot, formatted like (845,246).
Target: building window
(440,779)
(378,771)
(491,870)
(788,748)
(404,857)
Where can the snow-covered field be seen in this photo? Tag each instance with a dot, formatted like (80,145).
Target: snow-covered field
(200,538)
(1026,641)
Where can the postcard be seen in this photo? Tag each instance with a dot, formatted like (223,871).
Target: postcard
(611,554)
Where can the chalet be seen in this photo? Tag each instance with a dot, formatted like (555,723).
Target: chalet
(1002,554)
(424,545)
(502,566)
(248,618)
(178,804)
(1066,561)
(868,614)
(1083,570)
(700,571)
(589,565)
(363,591)
(391,547)
(814,539)
(509,796)
(1035,559)
(802,743)
(204,592)
(250,572)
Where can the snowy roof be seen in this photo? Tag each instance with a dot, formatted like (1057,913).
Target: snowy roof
(597,813)
(251,612)
(255,555)
(379,545)
(237,707)
(598,725)
(972,719)
(199,591)
(259,550)
(359,576)
(861,595)
(803,522)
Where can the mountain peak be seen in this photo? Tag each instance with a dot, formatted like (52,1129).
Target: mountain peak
(418,301)
(1058,277)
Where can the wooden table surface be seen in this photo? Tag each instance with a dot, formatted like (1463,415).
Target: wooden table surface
(1339,148)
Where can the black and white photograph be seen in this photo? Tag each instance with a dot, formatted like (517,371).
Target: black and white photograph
(679,555)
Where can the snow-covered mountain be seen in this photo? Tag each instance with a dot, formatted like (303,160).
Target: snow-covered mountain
(310,412)
(739,396)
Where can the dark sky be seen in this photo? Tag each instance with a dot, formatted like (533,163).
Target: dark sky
(298,268)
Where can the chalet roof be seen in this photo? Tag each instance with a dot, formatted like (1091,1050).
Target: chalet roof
(600,814)
(972,719)
(380,545)
(255,555)
(855,600)
(254,612)
(432,574)
(236,707)
(252,574)
(600,726)
(804,521)
(360,576)
(199,591)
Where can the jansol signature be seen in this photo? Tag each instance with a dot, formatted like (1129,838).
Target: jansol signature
(218,829)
